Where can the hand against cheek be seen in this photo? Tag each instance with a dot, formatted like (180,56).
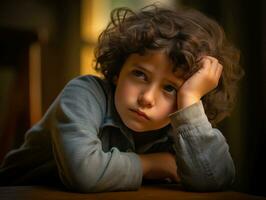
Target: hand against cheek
(200,83)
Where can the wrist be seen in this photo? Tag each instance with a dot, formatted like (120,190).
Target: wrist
(186,100)
(145,164)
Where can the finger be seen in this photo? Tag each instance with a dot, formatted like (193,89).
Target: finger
(214,66)
(219,70)
(204,57)
(212,59)
(176,178)
(205,64)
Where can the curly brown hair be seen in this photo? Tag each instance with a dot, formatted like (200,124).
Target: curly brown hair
(185,35)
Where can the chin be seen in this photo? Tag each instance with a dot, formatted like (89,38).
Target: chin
(136,127)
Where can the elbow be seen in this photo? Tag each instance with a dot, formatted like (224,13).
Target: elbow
(204,186)
(210,183)
(79,184)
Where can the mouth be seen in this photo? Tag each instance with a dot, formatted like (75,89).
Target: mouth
(140,113)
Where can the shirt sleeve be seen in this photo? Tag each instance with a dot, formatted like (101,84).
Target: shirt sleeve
(202,153)
(83,166)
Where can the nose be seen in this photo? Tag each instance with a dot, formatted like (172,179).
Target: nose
(147,97)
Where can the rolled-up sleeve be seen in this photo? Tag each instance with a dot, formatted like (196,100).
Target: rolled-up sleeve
(202,153)
(83,166)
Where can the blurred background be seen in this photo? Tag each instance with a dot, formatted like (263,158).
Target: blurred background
(45,43)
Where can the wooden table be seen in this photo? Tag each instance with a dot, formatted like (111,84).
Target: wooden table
(147,192)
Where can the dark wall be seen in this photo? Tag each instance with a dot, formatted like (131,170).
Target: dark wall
(245,25)
(57,24)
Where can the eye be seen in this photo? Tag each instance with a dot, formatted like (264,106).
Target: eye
(139,74)
(170,89)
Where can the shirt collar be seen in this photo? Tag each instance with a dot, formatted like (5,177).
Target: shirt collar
(113,119)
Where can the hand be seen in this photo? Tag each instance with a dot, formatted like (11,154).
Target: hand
(200,83)
(159,166)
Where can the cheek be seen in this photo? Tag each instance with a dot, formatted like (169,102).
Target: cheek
(126,91)
(167,107)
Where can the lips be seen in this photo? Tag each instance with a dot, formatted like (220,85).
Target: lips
(140,113)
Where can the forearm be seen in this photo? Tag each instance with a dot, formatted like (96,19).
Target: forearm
(95,172)
(81,162)
(202,153)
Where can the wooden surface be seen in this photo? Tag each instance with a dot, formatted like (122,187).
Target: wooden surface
(157,192)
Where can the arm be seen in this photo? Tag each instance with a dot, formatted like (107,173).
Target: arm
(202,153)
(83,166)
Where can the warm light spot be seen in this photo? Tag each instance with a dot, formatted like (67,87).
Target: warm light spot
(94,18)
(95,15)
(35,83)
(87,61)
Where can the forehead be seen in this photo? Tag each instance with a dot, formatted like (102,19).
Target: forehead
(155,61)
(151,57)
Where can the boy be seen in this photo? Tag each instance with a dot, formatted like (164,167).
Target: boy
(145,119)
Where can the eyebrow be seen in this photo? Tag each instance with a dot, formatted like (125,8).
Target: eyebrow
(143,68)
(150,72)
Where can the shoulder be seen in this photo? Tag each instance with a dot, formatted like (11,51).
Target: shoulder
(89,81)
(85,91)
(87,84)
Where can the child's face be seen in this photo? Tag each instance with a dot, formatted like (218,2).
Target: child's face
(146,91)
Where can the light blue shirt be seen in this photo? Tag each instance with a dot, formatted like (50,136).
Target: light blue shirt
(82,140)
